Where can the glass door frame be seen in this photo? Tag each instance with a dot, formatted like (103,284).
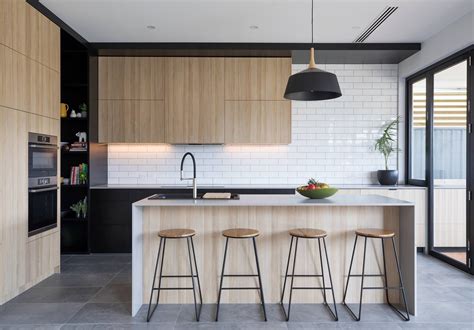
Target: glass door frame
(428,74)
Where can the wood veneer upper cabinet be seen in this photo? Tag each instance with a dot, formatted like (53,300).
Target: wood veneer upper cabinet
(194,100)
(131,121)
(131,78)
(264,122)
(256,79)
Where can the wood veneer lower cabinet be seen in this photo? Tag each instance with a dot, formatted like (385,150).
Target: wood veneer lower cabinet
(264,122)
(24,261)
(131,78)
(194,100)
(128,121)
(256,78)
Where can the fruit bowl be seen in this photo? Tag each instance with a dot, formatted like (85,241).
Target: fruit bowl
(317,193)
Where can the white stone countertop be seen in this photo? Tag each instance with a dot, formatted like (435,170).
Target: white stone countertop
(249,186)
(279,200)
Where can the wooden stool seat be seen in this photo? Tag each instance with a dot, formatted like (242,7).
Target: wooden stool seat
(308,233)
(375,233)
(177,233)
(241,233)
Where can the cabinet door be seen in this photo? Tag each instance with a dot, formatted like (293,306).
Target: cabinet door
(194,100)
(256,79)
(267,122)
(131,78)
(130,121)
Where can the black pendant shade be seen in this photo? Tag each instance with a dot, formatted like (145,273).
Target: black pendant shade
(312,84)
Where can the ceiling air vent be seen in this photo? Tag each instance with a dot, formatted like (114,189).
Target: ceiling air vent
(377,22)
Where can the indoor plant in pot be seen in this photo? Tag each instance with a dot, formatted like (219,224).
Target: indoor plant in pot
(387,144)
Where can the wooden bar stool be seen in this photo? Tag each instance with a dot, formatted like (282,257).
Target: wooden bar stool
(308,233)
(377,234)
(241,233)
(176,234)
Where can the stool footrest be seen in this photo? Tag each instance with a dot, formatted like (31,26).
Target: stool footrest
(178,276)
(304,275)
(383,287)
(367,275)
(242,288)
(311,288)
(240,275)
(159,289)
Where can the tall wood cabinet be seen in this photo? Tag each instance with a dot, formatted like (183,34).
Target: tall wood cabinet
(194,100)
(186,100)
(131,100)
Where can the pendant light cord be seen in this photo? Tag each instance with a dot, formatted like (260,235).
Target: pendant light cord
(312,28)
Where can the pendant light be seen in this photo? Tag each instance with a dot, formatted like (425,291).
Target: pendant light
(312,84)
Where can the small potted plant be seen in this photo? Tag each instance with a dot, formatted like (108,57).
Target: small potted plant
(77,208)
(386,145)
(83,109)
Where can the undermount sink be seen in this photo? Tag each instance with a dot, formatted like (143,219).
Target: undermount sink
(187,196)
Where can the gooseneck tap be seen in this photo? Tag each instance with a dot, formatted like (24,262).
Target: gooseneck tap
(194,172)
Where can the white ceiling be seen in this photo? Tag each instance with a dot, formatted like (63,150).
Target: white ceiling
(287,21)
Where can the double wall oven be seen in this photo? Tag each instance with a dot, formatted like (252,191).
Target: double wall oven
(42,182)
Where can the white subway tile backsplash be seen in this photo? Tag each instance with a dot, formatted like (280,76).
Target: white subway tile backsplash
(331,141)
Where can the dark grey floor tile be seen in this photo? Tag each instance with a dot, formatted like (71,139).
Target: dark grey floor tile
(65,258)
(239,312)
(436,326)
(40,313)
(103,313)
(207,326)
(315,313)
(187,313)
(100,259)
(368,326)
(56,295)
(443,294)
(261,325)
(76,280)
(116,326)
(91,268)
(124,277)
(31,327)
(114,293)
(370,313)
(444,312)
(458,279)
(164,313)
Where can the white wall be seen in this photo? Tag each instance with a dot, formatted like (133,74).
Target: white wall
(331,141)
(450,40)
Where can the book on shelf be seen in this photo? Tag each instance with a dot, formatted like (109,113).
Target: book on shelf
(78,146)
(78,174)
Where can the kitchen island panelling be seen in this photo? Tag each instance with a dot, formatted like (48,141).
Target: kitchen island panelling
(273,216)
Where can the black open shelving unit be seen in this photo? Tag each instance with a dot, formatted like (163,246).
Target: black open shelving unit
(74,91)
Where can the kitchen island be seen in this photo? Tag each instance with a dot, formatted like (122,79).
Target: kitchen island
(273,216)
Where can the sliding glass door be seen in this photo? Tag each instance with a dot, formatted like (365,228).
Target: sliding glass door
(440,145)
(449,150)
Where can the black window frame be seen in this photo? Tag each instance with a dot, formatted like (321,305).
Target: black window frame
(428,74)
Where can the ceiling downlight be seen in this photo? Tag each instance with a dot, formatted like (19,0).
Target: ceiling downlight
(384,15)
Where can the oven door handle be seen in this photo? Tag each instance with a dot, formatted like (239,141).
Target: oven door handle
(47,146)
(42,190)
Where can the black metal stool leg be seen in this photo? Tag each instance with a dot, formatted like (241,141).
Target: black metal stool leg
(402,288)
(292,280)
(334,314)
(259,278)
(322,270)
(222,278)
(197,274)
(385,272)
(192,280)
(286,276)
(357,318)
(349,274)
(150,312)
